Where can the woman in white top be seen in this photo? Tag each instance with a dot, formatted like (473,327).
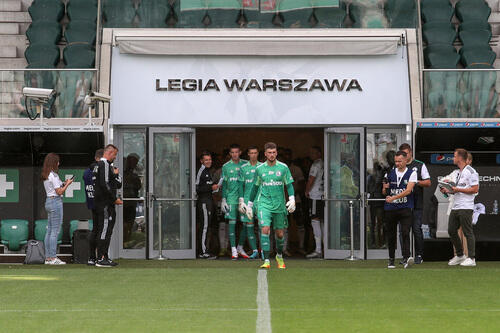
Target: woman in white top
(54,189)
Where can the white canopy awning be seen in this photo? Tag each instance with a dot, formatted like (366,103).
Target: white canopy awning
(290,42)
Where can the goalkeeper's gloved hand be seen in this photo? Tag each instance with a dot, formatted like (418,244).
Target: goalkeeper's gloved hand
(241,206)
(249,211)
(290,205)
(224,206)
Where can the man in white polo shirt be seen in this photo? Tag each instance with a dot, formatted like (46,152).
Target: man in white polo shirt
(462,209)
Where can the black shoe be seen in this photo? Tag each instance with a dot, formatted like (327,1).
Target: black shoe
(207,256)
(113,263)
(103,263)
(418,260)
(391,264)
(91,262)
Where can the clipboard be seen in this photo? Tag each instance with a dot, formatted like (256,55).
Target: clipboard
(447,185)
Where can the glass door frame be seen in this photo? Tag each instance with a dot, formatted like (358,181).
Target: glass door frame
(130,253)
(335,253)
(171,254)
(381,253)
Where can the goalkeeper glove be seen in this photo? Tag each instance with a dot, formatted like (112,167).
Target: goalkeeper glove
(242,207)
(290,205)
(224,206)
(249,211)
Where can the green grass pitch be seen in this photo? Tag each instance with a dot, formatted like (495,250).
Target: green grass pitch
(220,296)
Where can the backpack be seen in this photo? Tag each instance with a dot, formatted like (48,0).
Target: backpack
(81,247)
(35,253)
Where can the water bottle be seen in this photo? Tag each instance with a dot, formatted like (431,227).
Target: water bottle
(426,231)
(495,208)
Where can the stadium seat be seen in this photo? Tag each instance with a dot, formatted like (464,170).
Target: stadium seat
(477,55)
(153,13)
(404,20)
(441,56)
(118,14)
(436,11)
(395,6)
(42,56)
(481,103)
(41,230)
(474,25)
(14,233)
(81,31)
(44,32)
(328,17)
(444,32)
(79,56)
(472,12)
(84,2)
(299,18)
(367,17)
(475,38)
(82,11)
(224,18)
(46,10)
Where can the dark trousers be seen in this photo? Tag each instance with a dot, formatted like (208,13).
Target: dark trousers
(103,229)
(417,232)
(391,220)
(204,213)
(462,218)
(92,238)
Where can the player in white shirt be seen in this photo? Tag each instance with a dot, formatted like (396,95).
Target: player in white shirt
(314,192)
(461,211)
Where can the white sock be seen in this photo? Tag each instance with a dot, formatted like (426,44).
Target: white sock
(316,225)
(222,236)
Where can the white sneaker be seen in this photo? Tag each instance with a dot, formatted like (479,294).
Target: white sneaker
(456,260)
(242,252)
(469,262)
(234,253)
(49,262)
(58,261)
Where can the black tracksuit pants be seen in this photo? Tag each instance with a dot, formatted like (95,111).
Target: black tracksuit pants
(204,212)
(103,228)
(92,236)
(403,216)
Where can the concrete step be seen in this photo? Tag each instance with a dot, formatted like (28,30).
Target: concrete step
(10,6)
(9,29)
(12,63)
(9,98)
(11,76)
(25,4)
(8,52)
(18,17)
(10,87)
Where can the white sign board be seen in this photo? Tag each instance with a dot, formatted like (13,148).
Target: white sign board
(280,90)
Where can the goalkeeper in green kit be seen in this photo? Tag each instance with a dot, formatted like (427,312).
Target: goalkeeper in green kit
(270,180)
(231,197)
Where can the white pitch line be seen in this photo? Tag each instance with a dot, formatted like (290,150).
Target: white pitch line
(263,309)
(128,310)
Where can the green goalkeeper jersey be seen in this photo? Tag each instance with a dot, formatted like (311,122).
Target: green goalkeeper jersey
(272,181)
(247,176)
(231,177)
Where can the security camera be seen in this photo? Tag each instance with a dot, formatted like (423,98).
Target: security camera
(97,97)
(39,94)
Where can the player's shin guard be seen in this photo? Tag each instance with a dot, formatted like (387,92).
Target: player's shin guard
(265,245)
(243,236)
(251,236)
(279,244)
(316,225)
(232,233)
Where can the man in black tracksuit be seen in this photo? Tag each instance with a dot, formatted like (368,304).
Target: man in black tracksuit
(107,181)
(205,203)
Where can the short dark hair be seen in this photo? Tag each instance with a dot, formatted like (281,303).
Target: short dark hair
(469,157)
(205,153)
(462,153)
(401,153)
(110,147)
(270,145)
(253,147)
(405,146)
(234,145)
(99,153)
(317,148)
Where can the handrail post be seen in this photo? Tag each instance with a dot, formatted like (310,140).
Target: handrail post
(351,215)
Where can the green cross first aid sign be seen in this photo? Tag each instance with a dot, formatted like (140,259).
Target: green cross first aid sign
(75,193)
(9,185)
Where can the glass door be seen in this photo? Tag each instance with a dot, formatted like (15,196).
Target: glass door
(131,215)
(381,145)
(171,187)
(344,163)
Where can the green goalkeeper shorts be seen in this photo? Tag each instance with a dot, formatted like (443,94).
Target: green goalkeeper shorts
(277,220)
(233,212)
